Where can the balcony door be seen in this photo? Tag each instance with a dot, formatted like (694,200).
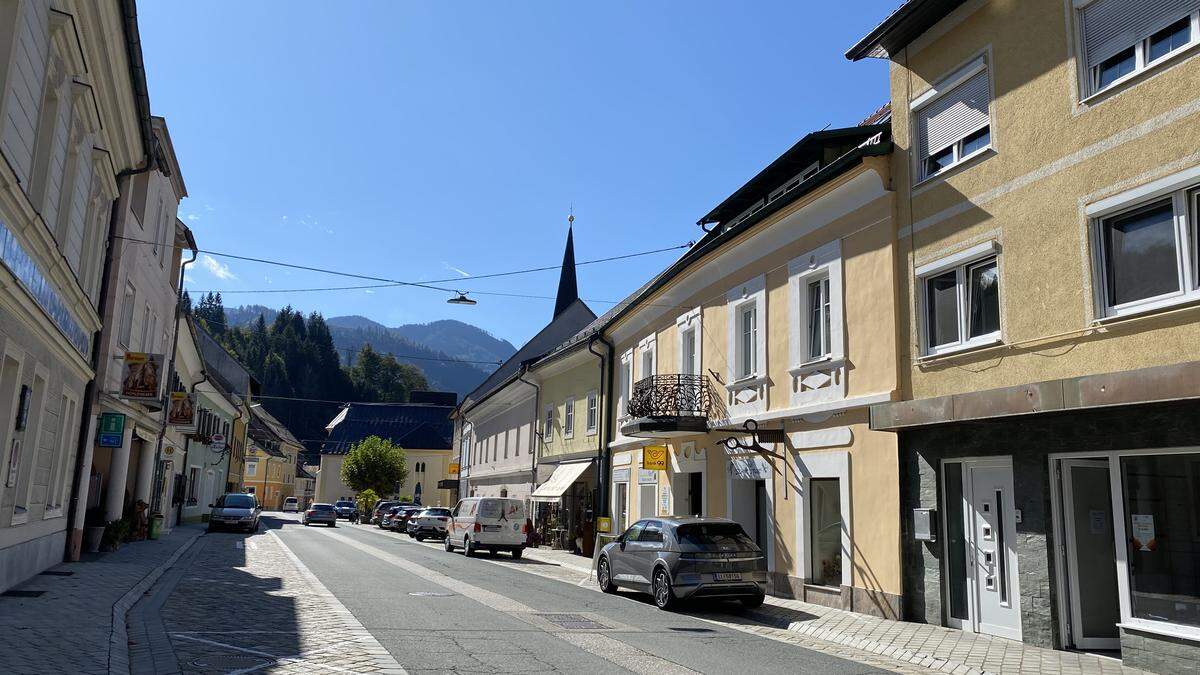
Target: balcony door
(689,364)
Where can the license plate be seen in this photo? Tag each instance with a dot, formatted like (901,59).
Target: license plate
(491,528)
(728,576)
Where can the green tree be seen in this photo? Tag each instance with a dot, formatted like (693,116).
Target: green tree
(366,501)
(381,378)
(374,464)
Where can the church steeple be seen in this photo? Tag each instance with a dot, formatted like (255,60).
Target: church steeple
(568,289)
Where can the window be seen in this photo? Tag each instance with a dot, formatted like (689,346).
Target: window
(569,418)
(193,484)
(1121,39)
(127,303)
(625,384)
(646,500)
(687,351)
(593,411)
(818,319)
(548,427)
(651,533)
(825,531)
(952,119)
(747,353)
(1162,515)
(961,300)
(1147,253)
(648,356)
(251,469)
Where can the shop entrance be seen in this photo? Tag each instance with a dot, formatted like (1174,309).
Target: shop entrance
(981,567)
(751,509)
(1090,554)
(688,491)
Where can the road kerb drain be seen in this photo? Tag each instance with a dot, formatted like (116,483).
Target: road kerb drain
(230,661)
(574,621)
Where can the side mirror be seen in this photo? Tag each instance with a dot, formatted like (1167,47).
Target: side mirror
(621,542)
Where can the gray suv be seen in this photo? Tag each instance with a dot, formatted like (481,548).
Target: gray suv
(677,557)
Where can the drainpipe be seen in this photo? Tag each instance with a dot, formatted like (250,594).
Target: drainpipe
(537,395)
(604,457)
(156,497)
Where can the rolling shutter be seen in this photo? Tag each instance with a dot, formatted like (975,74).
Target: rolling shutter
(1112,25)
(957,113)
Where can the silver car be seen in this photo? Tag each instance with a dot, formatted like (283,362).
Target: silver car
(234,511)
(321,513)
(677,557)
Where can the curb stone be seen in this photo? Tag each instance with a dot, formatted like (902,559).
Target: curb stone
(118,640)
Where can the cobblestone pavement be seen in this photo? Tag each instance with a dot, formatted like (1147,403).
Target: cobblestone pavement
(68,628)
(243,603)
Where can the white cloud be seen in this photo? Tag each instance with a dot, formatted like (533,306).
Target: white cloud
(369,291)
(452,268)
(269,280)
(217,268)
(193,217)
(208,207)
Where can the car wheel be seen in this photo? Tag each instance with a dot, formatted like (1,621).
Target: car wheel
(333,524)
(664,597)
(517,553)
(753,601)
(211,528)
(492,552)
(420,537)
(468,547)
(449,546)
(604,576)
(306,523)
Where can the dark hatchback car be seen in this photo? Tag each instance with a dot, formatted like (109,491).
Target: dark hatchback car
(678,557)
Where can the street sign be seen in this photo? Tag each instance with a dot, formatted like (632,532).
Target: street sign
(654,457)
(111,431)
(603,524)
(218,442)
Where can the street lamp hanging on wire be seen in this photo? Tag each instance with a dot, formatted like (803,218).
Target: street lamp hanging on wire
(461,299)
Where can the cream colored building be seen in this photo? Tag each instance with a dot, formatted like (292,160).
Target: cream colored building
(754,359)
(1046,176)
(73,117)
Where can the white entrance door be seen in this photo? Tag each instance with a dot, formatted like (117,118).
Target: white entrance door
(992,528)
(1091,554)
(981,547)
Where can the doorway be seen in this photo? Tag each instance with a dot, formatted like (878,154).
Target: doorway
(1090,554)
(981,558)
(751,508)
(688,494)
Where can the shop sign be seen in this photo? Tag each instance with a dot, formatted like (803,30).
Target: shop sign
(621,475)
(664,499)
(647,476)
(182,410)
(1143,531)
(453,469)
(142,375)
(749,467)
(654,457)
(218,442)
(112,428)
(30,276)
(603,524)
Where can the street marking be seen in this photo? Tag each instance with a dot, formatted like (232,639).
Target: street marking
(612,650)
(383,658)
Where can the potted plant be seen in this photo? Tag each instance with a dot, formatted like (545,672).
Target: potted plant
(93,529)
(115,533)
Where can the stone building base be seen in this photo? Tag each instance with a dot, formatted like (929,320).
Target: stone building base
(850,598)
(22,561)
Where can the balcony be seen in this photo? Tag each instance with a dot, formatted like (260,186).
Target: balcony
(663,406)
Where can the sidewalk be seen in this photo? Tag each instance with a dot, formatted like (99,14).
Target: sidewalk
(69,627)
(932,647)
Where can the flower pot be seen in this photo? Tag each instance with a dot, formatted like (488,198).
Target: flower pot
(92,537)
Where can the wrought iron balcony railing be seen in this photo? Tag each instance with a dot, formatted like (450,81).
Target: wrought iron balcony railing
(666,396)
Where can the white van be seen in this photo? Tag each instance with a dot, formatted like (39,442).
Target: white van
(492,523)
(291,504)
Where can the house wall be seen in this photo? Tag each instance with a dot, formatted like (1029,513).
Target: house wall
(571,382)
(504,445)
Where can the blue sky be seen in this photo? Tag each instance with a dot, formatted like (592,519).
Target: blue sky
(415,140)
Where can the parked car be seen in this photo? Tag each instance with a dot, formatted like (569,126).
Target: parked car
(345,508)
(492,523)
(676,557)
(400,520)
(291,504)
(321,513)
(381,507)
(385,521)
(234,511)
(430,522)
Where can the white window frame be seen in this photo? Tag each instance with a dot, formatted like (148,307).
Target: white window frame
(822,465)
(592,414)
(648,346)
(959,262)
(125,333)
(691,321)
(548,425)
(747,296)
(824,262)
(1090,72)
(624,384)
(943,87)
(1183,189)
(569,418)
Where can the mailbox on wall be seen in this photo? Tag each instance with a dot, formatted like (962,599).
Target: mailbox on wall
(925,524)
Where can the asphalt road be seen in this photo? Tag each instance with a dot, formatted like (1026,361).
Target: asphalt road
(442,612)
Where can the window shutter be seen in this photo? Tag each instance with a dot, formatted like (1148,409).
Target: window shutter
(957,113)
(1112,25)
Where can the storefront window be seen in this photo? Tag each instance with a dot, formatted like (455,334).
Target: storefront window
(825,508)
(1162,523)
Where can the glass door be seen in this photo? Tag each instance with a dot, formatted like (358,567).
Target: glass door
(1091,554)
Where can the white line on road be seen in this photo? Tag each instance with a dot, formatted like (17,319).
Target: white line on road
(612,650)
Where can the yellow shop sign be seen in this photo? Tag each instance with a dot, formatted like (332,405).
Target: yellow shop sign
(654,457)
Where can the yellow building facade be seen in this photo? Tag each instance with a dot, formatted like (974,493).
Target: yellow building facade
(753,361)
(1046,176)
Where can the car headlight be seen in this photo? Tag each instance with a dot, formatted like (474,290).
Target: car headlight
(247,517)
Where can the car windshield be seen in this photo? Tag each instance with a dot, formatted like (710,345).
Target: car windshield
(436,512)
(322,507)
(290,500)
(345,504)
(714,537)
(497,508)
(236,502)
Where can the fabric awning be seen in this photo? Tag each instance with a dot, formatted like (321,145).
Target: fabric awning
(562,479)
